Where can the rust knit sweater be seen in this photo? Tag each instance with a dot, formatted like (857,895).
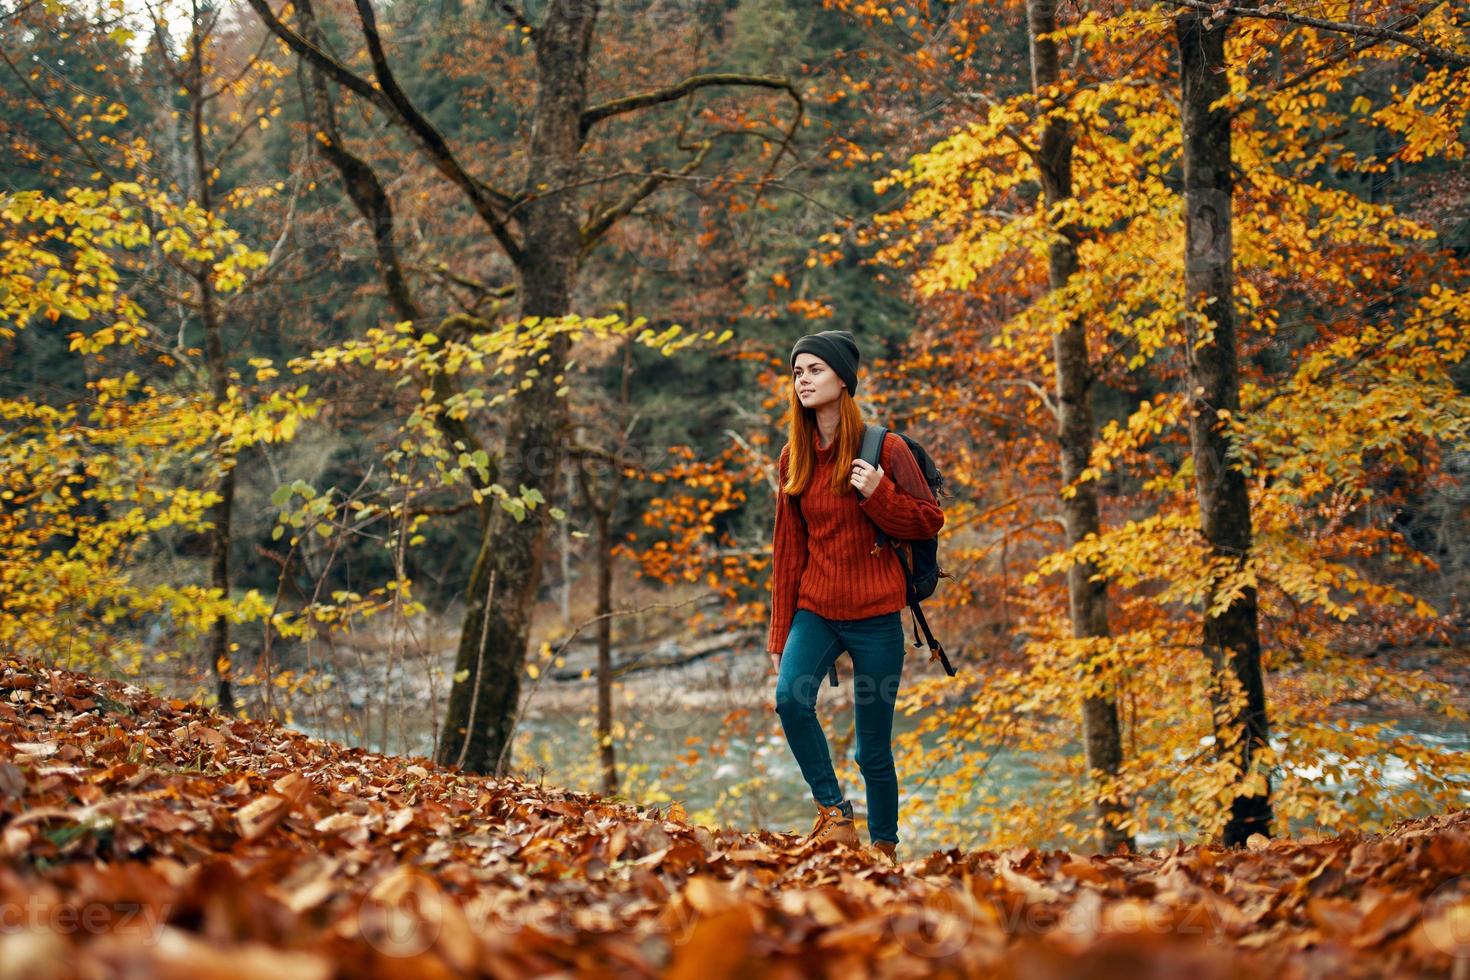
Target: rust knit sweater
(821,556)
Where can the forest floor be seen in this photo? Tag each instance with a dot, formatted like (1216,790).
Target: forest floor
(147,836)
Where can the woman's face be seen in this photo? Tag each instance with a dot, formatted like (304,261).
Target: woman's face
(816,383)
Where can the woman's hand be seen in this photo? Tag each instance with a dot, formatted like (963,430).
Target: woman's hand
(865,477)
(776,662)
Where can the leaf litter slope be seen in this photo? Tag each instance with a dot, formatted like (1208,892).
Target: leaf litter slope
(153,837)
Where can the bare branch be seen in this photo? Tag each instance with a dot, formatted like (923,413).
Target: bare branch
(494,292)
(359,179)
(297,180)
(632,103)
(639,192)
(250,63)
(480,291)
(770,468)
(320,59)
(448,510)
(388,97)
(484,199)
(56,116)
(584,451)
(371,200)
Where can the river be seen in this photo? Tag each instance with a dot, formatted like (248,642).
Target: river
(670,718)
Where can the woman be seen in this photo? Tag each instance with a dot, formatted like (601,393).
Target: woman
(832,589)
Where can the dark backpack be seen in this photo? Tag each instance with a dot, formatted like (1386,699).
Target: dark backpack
(924,574)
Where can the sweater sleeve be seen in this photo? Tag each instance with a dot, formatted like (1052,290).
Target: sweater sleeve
(788,560)
(902,505)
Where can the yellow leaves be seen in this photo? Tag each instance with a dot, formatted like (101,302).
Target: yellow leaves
(110,472)
(1366,398)
(664,341)
(499,349)
(1428,116)
(108,481)
(58,256)
(275,418)
(264,368)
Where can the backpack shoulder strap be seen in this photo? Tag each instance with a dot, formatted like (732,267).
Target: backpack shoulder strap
(873,436)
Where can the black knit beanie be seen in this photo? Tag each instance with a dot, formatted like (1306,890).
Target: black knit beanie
(837,348)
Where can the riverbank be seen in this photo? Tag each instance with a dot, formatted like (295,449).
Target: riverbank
(694,724)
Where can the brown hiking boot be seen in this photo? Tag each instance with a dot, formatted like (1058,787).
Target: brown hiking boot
(834,823)
(886,850)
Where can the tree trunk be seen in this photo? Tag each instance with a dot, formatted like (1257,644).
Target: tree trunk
(483,701)
(606,750)
(1088,599)
(1231,639)
(564,543)
(492,651)
(221,513)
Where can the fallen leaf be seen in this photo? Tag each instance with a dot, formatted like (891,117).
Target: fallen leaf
(260,815)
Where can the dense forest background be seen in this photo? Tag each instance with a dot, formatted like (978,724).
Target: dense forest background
(425,413)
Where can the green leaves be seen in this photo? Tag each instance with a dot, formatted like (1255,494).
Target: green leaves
(285,492)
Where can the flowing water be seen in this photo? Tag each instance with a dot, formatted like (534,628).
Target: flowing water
(671,711)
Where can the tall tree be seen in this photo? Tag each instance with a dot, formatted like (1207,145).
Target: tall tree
(542,231)
(221,514)
(1231,634)
(1231,628)
(1309,252)
(210,139)
(1087,590)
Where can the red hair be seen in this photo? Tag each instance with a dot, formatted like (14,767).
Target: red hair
(801,428)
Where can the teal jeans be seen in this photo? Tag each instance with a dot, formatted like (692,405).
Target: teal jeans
(877,648)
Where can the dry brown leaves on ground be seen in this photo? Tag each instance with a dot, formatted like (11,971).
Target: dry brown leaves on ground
(153,838)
